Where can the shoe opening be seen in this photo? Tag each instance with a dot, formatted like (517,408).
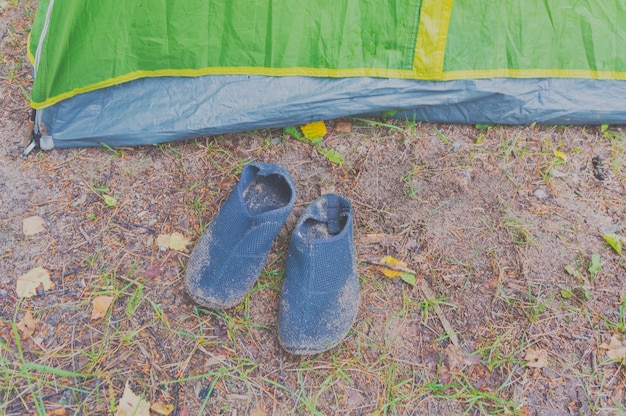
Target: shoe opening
(313,229)
(266,193)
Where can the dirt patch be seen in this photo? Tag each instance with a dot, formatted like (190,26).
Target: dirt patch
(501,224)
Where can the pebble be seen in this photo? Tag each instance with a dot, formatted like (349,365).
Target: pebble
(541,194)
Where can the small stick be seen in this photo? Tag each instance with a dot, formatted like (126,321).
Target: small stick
(388,266)
(442,317)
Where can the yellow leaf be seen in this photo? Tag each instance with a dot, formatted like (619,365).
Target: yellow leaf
(100,306)
(615,350)
(393,262)
(179,242)
(163,241)
(560,155)
(132,405)
(27,284)
(314,130)
(536,358)
(27,325)
(162,409)
(175,241)
(33,225)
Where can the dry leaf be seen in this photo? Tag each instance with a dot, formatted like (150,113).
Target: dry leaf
(444,374)
(163,241)
(397,268)
(536,358)
(343,127)
(179,242)
(472,359)
(132,405)
(162,409)
(33,225)
(59,411)
(455,356)
(175,241)
(153,272)
(27,325)
(615,350)
(395,263)
(27,284)
(100,306)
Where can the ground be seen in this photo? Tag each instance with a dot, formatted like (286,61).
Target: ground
(518,307)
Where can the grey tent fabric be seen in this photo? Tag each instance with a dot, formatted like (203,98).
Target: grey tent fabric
(156,110)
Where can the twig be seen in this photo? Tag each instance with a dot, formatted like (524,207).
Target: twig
(80,228)
(388,266)
(442,317)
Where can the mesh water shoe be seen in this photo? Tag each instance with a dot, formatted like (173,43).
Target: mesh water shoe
(233,250)
(320,294)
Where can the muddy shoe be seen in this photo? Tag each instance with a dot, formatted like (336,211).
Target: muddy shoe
(320,294)
(233,250)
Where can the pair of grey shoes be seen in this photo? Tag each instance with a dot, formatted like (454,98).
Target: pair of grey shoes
(320,293)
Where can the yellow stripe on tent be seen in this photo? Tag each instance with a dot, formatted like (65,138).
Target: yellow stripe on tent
(533,73)
(263,71)
(430,47)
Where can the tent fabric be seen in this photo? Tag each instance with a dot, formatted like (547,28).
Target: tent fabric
(144,72)
(157,110)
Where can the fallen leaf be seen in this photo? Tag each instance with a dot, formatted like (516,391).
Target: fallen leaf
(27,325)
(444,374)
(179,242)
(536,358)
(615,350)
(163,241)
(132,405)
(59,411)
(314,130)
(472,359)
(33,225)
(162,409)
(343,127)
(175,241)
(614,241)
(396,267)
(109,201)
(560,155)
(27,284)
(408,278)
(153,272)
(455,356)
(100,306)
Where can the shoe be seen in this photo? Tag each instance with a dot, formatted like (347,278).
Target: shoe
(320,293)
(233,250)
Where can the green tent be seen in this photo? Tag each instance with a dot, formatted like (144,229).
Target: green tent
(139,72)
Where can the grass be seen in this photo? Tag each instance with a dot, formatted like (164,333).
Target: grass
(479,245)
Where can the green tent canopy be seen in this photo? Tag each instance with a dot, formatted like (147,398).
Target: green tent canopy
(130,73)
